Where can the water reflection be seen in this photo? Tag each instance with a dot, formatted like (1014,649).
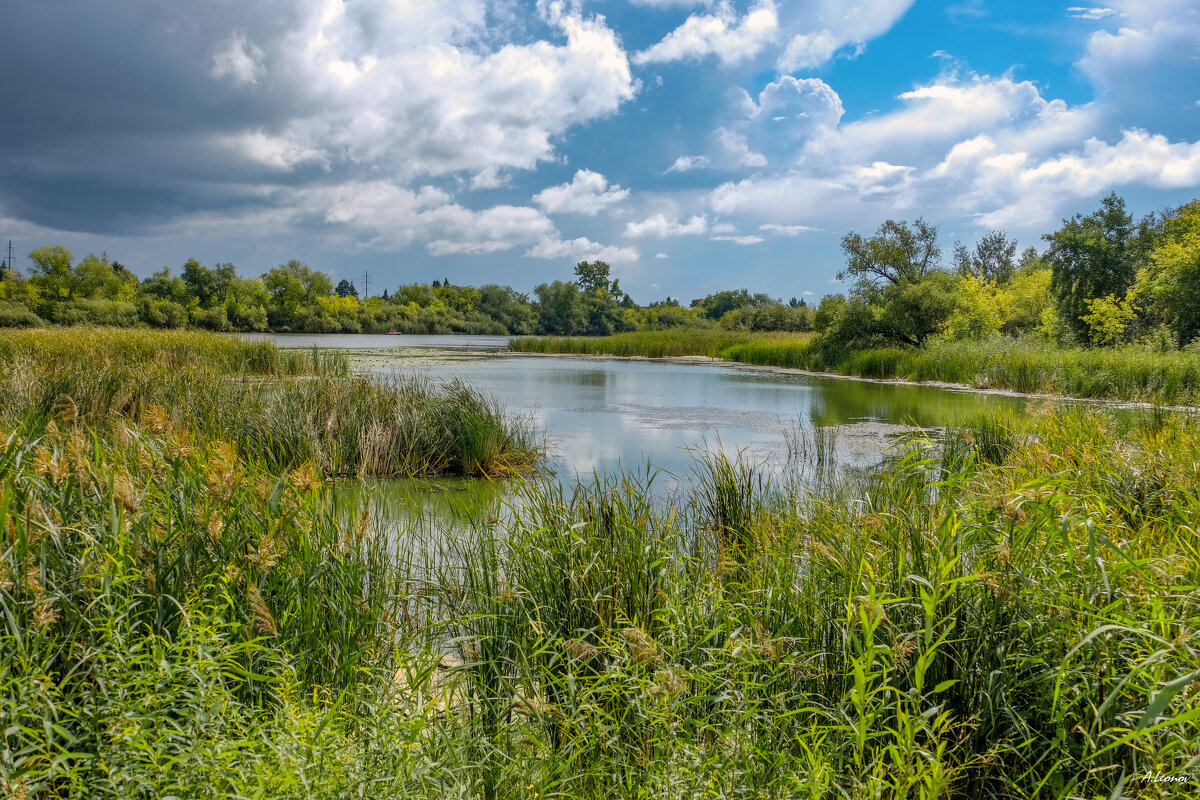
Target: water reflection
(605,415)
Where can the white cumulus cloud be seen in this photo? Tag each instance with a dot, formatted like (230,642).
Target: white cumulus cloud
(1091,12)
(583,249)
(826,27)
(721,34)
(688,163)
(587,193)
(660,227)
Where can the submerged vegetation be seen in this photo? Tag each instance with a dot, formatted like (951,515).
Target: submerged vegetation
(1008,612)
(288,408)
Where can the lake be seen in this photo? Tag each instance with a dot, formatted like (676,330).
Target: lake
(605,414)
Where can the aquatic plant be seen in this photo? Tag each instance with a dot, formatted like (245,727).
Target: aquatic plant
(288,407)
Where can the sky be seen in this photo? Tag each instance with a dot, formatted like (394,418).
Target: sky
(694,145)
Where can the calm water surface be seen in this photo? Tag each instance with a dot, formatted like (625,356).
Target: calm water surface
(602,415)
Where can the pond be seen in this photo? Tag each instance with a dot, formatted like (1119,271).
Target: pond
(603,415)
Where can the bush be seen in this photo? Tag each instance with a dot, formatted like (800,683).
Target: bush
(16,315)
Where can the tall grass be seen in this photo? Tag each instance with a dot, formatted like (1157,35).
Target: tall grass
(286,407)
(1124,373)
(671,343)
(1111,373)
(1009,612)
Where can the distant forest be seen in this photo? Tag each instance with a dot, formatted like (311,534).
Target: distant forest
(1102,279)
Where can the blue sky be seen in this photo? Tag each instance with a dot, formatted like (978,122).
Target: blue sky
(692,145)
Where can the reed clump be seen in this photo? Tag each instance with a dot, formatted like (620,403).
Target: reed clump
(1009,611)
(287,407)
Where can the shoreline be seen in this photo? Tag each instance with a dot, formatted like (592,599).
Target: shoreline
(956,387)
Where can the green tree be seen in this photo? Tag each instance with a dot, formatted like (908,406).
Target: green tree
(52,272)
(979,311)
(915,310)
(345,289)
(1108,319)
(294,288)
(98,278)
(717,305)
(898,253)
(1169,285)
(592,276)
(560,310)
(162,285)
(990,260)
(508,307)
(1093,257)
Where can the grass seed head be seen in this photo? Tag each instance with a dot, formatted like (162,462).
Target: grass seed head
(641,646)
(263,620)
(306,478)
(580,650)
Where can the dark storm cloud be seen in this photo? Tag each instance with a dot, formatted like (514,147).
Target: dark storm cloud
(110,110)
(126,114)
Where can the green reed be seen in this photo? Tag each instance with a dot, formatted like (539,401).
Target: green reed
(1009,610)
(287,407)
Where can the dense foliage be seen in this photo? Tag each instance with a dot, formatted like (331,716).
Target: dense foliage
(1011,613)
(1103,279)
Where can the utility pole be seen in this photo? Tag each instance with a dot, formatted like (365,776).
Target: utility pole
(7,262)
(366,285)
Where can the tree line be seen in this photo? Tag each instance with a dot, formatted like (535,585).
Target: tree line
(1102,279)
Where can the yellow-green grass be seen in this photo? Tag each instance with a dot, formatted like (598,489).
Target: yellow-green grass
(674,342)
(1011,612)
(289,407)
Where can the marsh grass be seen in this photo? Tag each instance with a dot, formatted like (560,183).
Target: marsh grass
(1111,373)
(1007,612)
(285,407)
(671,343)
(1126,373)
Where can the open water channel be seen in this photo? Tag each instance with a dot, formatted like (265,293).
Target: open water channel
(603,415)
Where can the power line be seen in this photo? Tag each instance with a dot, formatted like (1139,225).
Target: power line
(366,285)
